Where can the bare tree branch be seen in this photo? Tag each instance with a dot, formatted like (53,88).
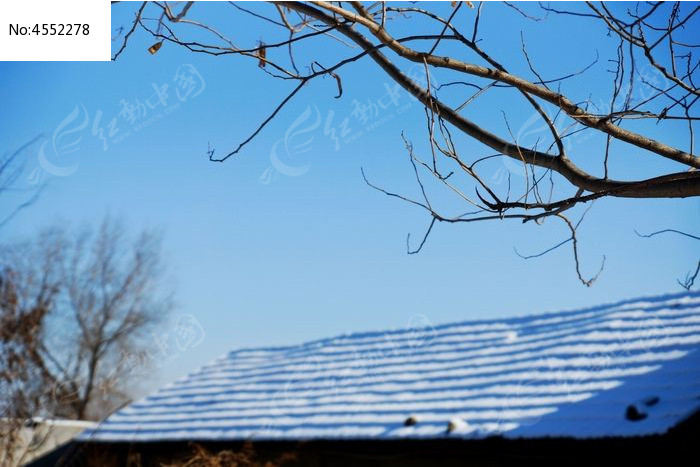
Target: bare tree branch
(557,178)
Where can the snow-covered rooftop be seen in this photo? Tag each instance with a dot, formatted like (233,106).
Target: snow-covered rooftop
(626,369)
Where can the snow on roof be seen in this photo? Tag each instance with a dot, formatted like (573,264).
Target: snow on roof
(626,369)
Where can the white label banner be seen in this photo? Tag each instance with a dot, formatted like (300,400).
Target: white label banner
(55,30)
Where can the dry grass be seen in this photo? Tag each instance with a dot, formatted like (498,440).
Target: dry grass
(246,457)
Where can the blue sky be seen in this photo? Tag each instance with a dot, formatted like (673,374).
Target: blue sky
(264,254)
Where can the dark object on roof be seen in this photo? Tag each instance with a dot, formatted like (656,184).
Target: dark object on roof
(633,414)
(651,401)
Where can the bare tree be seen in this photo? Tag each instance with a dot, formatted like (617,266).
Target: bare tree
(22,377)
(12,167)
(75,308)
(557,178)
(19,331)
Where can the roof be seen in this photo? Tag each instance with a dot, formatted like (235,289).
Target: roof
(625,369)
